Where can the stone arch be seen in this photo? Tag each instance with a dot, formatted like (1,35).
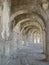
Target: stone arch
(32,24)
(18,13)
(32,29)
(25,14)
(41,30)
(24,17)
(26,33)
(27,28)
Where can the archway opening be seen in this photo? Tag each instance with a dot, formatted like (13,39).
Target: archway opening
(29,33)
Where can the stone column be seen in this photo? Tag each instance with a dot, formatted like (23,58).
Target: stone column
(41,41)
(24,39)
(29,38)
(5,19)
(45,7)
(20,38)
(44,41)
(47,43)
(32,37)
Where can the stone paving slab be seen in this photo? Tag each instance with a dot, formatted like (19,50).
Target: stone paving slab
(24,57)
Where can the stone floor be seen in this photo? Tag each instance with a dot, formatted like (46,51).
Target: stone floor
(30,55)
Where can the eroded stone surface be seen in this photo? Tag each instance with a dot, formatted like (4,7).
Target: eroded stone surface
(25,56)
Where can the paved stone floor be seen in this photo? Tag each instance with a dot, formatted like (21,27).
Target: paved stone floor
(30,55)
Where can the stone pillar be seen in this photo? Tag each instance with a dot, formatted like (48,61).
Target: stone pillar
(5,19)
(29,38)
(36,37)
(41,41)
(45,7)
(18,35)
(44,41)
(32,37)
(47,43)
(24,39)
(20,38)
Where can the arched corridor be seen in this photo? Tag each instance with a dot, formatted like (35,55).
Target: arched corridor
(24,32)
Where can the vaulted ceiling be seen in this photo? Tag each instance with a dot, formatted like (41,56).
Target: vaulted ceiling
(22,4)
(22,10)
